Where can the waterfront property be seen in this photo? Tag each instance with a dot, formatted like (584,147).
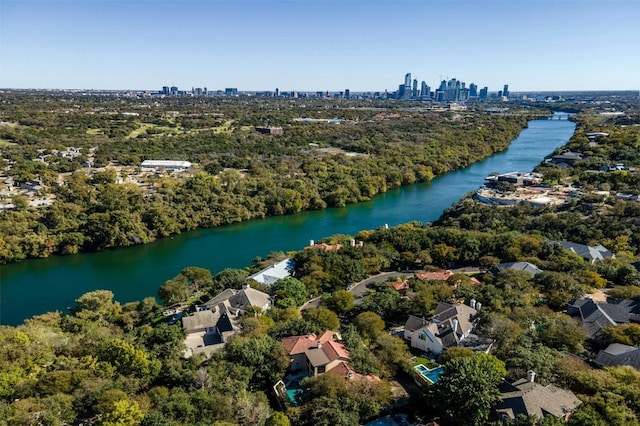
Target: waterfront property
(209,328)
(275,272)
(534,195)
(566,159)
(516,178)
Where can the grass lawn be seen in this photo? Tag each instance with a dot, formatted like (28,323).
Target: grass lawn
(424,361)
(5,142)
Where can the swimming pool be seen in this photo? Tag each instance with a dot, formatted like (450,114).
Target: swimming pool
(431,375)
(392,420)
(293,389)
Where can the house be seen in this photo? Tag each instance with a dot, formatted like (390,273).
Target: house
(323,246)
(567,157)
(165,164)
(516,178)
(529,398)
(313,355)
(275,272)
(440,275)
(518,266)
(400,285)
(216,321)
(591,254)
(242,299)
(594,317)
(450,325)
(619,354)
(208,330)
(269,130)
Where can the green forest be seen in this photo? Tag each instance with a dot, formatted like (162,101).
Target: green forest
(106,363)
(238,173)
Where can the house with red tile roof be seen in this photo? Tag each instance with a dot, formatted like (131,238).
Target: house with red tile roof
(317,354)
(324,246)
(400,285)
(441,275)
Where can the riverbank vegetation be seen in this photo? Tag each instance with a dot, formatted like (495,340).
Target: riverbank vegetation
(237,174)
(112,364)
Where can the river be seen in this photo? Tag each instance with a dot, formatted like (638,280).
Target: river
(40,285)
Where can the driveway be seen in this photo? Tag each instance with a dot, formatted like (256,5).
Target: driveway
(360,289)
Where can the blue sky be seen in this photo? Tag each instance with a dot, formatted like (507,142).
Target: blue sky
(319,45)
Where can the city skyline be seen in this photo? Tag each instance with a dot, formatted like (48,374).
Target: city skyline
(318,45)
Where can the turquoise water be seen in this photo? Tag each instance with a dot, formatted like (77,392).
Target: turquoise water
(293,389)
(41,285)
(432,375)
(392,420)
(291,393)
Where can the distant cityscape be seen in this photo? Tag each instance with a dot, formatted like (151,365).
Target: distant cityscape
(451,90)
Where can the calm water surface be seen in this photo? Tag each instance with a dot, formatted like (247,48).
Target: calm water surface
(40,285)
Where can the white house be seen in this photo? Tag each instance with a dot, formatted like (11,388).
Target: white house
(275,272)
(165,164)
(447,328)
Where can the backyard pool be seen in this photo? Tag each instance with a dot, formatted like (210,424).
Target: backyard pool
(392,420)
(293,389)
(431,375)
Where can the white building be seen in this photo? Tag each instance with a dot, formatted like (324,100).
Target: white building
(275,272)
(447,328)
(165,164)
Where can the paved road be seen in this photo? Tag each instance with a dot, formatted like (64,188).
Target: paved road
(360,289)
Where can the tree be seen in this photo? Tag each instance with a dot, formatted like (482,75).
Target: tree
(197,278)
(392,352)
(342,302)
(97,305)
(173,291)
(627,334)
(156,419)
(229,278)
(278,419)
(20,202)
(323,317)
(289,292)
(369,325)
(385,303)
(467,389)
(129,360)
(455,352)
(123,413)
(264,355)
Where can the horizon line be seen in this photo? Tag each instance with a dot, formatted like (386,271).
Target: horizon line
(294,90)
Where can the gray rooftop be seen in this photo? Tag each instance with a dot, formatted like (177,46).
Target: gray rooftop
(619,354)
(530,398)
(590,253)
(519,266)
